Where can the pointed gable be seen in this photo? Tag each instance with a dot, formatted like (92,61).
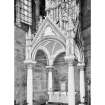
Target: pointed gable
(48,28)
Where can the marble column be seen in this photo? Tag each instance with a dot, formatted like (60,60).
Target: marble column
(82,83)
(71,81)
(29,64)
(29,85)
(50,78)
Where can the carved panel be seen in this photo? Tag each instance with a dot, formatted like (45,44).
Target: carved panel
(48,31)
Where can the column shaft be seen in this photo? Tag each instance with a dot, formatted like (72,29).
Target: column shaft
(50,80)
(82,86)
(29,85)
(71,85)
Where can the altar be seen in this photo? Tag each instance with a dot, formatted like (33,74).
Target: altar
(59,96)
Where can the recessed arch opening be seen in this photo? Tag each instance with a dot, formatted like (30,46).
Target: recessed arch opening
(60,73)
(40,75)
(60,58)
(41,57)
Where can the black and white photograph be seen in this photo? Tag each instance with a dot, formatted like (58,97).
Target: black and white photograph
(52,52)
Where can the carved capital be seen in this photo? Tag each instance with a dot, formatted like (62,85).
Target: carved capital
(29,64)
(70,59)
(50,68)
(29,67)
(81,66)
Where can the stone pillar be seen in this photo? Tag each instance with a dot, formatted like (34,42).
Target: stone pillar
(29,64)
(82,84)
(50,79)
(71,81)
(29,85)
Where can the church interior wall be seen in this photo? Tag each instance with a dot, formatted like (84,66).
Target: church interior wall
(19,73)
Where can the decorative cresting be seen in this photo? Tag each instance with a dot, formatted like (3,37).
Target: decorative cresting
(51,47)
(62,11)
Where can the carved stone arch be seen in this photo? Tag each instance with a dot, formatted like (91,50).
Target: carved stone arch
(39,46)
(46,38)
(44,45)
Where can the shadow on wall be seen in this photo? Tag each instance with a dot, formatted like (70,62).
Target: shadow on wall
(42,100)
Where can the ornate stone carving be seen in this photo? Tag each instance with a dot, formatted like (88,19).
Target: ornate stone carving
(70,60)
(48,31)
